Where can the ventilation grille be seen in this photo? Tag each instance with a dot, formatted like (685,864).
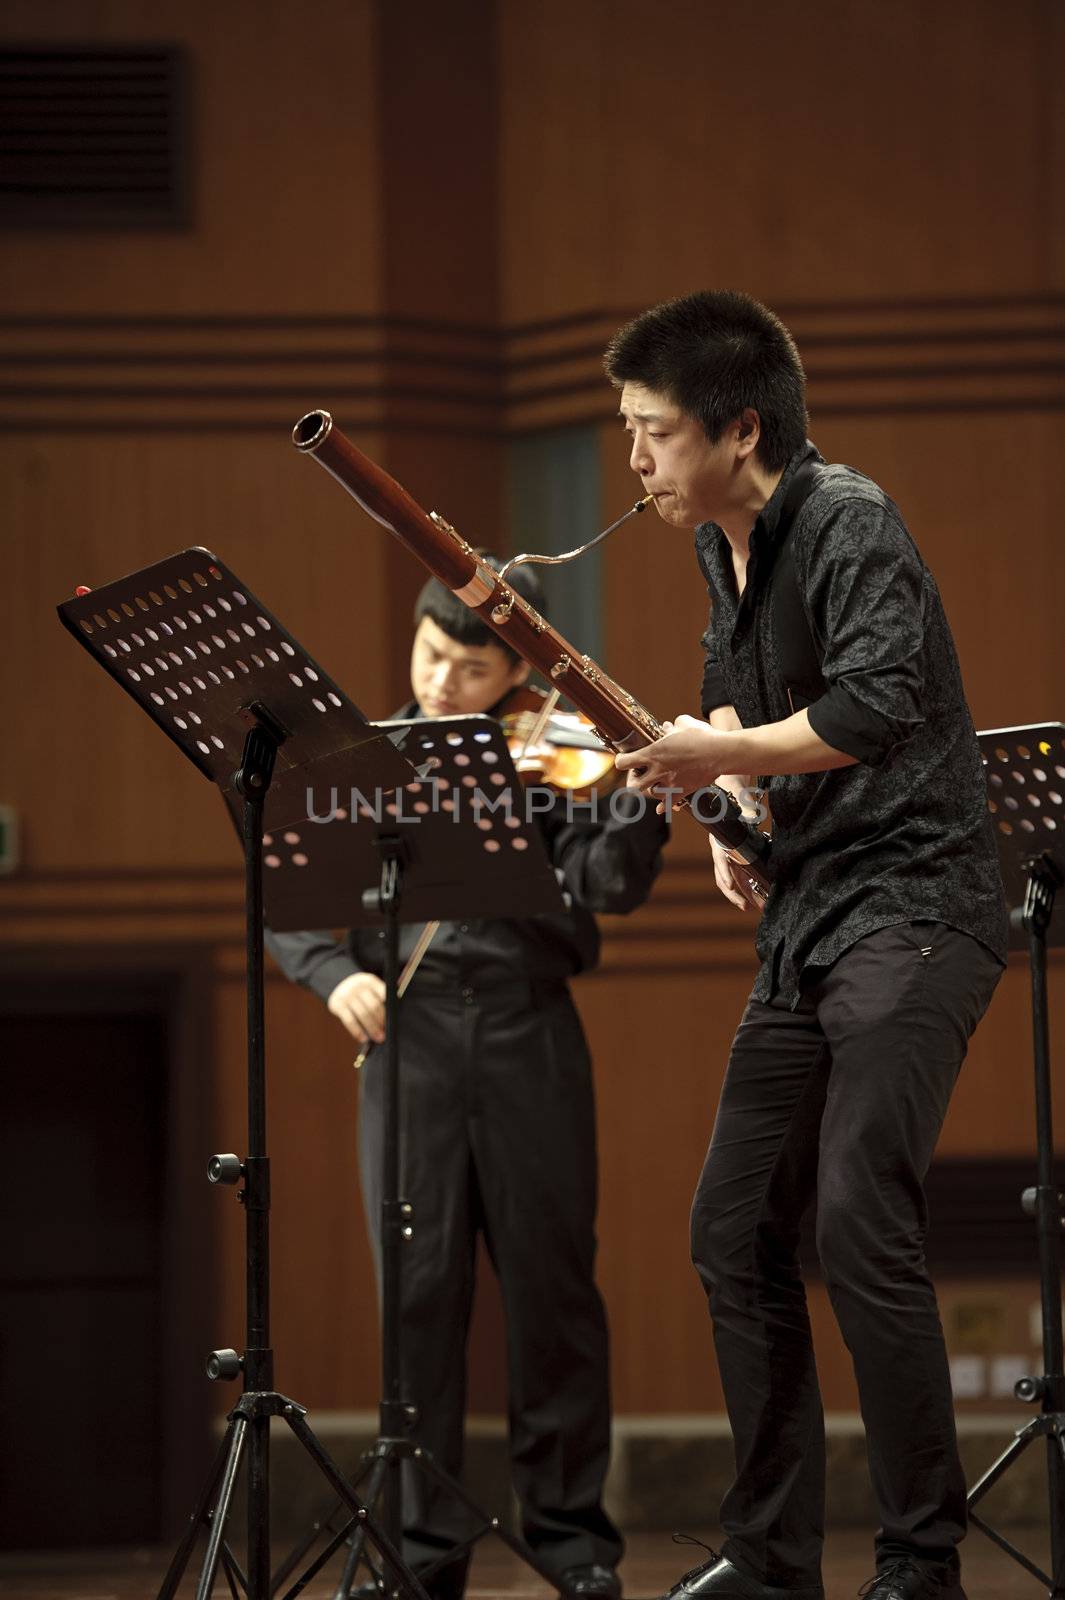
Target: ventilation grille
(90,137)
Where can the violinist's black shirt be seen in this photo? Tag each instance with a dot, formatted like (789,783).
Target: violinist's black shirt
(606,862)
(905,835)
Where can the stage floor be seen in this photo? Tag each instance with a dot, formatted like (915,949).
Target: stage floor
(652,1564)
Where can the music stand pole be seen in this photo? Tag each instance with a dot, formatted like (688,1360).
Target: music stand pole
(395,1415)
(252,782)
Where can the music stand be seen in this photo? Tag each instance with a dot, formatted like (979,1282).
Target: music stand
(471,849)
(1025,769)
(233,690)
(457,842)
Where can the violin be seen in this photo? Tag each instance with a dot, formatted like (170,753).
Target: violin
(559,749)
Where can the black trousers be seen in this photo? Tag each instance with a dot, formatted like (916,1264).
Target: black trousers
(498,1129)
(841,1100)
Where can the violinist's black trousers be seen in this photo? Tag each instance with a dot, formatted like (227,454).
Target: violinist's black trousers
(841,1100)
(498,1124)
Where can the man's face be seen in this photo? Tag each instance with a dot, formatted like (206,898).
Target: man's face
(451,679)
(691,479)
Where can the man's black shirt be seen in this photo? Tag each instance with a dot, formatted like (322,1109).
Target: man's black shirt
(905,835)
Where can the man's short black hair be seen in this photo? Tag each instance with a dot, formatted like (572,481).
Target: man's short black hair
(714,354)
(455,618)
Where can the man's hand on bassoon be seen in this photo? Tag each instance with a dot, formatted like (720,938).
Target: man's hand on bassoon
(689,755)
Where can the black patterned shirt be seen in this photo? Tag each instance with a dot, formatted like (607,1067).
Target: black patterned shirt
(841,616)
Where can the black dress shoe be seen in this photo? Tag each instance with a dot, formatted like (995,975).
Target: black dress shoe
(908,1579)
(718,1579)
(590,1583)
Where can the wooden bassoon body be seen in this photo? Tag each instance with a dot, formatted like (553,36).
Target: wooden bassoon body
(619,718)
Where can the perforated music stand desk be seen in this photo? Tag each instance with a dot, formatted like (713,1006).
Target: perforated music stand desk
(1025,771)
(255,714)
(471,848)
(198,652)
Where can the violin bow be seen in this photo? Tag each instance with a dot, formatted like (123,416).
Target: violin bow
(413,962)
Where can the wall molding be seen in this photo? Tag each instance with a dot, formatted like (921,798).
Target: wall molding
(193,374)
(681,930)
(685,929)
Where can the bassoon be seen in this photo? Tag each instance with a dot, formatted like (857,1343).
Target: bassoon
(621,721)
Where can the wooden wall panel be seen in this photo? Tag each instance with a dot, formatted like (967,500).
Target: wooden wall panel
(439,92)
(659,1048)
(324,1307)
(844,150)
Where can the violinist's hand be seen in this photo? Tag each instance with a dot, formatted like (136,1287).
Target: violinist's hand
(689,754)
(359,1003)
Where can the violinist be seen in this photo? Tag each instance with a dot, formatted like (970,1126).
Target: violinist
(499,1133)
